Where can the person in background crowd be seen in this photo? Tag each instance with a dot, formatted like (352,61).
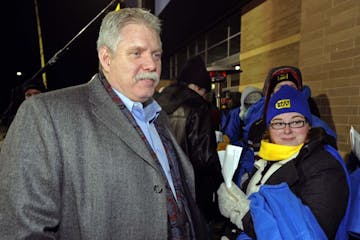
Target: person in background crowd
(254,122)
(18,95)
(16,98)
(191,121)
(32,89)
(230,104)
(230,101)
(250,96)
(97,160)
(233,124)
(288,75)
(277,77)
(3,130)
(291,152)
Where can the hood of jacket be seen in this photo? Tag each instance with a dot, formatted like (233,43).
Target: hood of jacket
(175,95)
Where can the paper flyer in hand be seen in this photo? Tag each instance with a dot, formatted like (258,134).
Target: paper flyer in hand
(229,160)
(355,142)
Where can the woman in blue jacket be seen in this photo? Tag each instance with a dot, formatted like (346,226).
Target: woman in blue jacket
(291,152)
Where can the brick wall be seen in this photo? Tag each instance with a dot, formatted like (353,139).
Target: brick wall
(269,37)
(330,61)
(320,37)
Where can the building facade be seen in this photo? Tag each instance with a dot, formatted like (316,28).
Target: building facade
(321,37)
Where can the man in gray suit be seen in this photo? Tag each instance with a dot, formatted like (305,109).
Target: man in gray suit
(98,161)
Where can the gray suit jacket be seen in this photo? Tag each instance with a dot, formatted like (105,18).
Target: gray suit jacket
(73,167)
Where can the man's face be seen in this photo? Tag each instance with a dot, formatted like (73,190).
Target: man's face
(134,69)
(31,91)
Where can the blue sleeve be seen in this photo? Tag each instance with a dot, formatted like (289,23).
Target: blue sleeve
(278,213)
(233,127)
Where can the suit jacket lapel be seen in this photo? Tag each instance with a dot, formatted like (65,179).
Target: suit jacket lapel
(108,112)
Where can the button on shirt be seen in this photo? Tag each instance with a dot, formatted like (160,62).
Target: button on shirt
(145,118)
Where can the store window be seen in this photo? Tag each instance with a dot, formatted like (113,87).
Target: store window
(220,43)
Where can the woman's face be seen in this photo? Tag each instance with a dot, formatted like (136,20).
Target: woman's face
(288,129)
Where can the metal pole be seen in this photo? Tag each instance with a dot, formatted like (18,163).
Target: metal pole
(61,52)
(41,49)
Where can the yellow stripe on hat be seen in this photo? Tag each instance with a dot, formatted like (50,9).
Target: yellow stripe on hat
(283,103)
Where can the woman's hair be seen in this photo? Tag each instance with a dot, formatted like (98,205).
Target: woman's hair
(115,21)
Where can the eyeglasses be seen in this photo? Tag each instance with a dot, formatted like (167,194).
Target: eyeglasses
(293,124)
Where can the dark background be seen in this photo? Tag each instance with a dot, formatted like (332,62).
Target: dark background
(62,20)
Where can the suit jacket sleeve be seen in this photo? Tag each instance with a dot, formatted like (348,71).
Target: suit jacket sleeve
(29,162)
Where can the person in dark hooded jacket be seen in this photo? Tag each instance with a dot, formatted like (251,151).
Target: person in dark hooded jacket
(190,117)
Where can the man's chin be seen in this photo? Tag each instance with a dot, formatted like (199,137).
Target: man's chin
(147,95)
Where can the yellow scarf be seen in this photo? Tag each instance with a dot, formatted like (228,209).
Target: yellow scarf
(275,152)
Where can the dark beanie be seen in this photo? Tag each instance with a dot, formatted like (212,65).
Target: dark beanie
(285,73)
(194,71)
(288,99)
(34,84)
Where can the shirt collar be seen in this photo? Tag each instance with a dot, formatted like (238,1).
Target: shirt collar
(149,113)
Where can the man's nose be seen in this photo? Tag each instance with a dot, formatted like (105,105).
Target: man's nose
(149,62)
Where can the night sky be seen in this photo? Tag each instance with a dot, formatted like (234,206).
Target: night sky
(60,21)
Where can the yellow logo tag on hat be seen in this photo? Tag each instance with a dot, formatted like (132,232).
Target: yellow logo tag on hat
(283,103)
(282,77)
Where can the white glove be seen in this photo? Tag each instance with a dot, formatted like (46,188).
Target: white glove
(233,203)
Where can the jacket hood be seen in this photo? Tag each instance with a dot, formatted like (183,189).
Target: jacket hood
(280,74)
(194,71)
(175,95)
(250,95)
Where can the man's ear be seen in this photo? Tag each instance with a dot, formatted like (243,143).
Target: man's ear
(104,56)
